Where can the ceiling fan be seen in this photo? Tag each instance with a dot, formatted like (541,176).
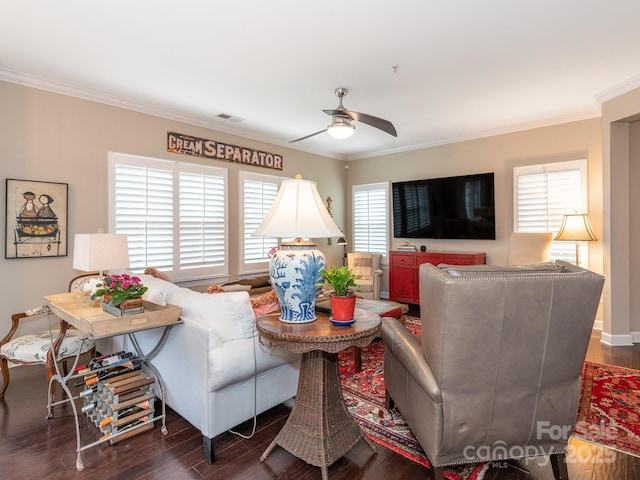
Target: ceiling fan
(341,118)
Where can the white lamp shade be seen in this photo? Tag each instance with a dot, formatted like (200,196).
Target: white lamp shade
(100,251)
(298,211)
(576,227)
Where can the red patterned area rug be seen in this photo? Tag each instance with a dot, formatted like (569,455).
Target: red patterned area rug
(364,394)
(609,407)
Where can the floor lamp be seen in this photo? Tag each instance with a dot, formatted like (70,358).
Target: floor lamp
(576,228)
(342,241)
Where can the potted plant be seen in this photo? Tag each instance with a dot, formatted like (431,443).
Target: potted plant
(342,299)
(121,294)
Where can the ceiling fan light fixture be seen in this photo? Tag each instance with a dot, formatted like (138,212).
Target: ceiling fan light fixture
(341,130)
(341,118)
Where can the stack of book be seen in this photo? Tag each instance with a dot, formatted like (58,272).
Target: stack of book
(406,247)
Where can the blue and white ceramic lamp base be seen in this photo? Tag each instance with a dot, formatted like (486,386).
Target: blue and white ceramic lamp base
(295,272)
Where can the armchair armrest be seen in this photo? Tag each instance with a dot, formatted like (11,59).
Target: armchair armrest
(15,323)
(407,350)
(377,281)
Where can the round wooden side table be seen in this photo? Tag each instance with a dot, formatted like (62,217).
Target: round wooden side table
(320,428)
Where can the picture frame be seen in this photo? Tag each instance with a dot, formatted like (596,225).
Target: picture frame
(36,223)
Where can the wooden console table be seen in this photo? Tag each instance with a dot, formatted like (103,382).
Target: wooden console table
(403,270)
(320,428)
(73,309)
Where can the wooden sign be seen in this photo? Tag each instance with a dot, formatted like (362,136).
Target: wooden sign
(201,147)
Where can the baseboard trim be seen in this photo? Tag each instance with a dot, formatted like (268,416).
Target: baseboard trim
(597,325)
(625,340)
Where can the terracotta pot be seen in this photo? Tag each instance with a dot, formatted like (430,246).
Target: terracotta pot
(342,308)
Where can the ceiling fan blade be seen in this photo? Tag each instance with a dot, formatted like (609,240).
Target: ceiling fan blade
(380,123)
(308,136)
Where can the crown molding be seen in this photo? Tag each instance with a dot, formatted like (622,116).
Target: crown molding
(93,96)
(547,122)
(119,102)
(617,90)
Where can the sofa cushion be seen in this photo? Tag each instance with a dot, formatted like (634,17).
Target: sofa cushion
(239,360)
(364,286)
(158,289)
(230,314)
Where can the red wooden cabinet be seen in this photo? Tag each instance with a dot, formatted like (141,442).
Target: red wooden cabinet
(403,270)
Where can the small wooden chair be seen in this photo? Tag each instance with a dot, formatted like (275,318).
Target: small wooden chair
(35,348)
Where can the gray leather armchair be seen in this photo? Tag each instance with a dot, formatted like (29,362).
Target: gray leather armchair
(496,374)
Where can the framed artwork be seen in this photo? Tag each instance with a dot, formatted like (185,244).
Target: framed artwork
(36,219)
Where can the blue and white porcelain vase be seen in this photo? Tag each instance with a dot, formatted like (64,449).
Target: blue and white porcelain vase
(296,271)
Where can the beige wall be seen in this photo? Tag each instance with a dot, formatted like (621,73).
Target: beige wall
(498,154)
(51,137)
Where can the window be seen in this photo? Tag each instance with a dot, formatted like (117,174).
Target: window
(370,218)
(543,194)
(174,213)
(257,193)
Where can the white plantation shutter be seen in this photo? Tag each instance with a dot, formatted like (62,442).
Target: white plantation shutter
(144,211)
(174,213)
(257,193)
(543,194)
(370,215)
(202,220)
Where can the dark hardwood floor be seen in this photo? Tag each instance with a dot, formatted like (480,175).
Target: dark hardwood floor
(32,447)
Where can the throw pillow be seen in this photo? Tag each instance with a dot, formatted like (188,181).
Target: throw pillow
(213,288)
(362,267)
(264,304)
(158,289)
(154,272)
(230,313)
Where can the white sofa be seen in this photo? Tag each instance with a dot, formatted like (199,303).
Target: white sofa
(215,371)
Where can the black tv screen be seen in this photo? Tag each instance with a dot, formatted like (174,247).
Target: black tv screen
(454,207)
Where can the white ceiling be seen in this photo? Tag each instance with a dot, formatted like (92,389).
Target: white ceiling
(467,68)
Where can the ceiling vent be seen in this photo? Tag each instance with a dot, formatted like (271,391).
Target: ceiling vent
(231,118)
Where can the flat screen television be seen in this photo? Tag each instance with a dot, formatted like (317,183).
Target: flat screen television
(453,207)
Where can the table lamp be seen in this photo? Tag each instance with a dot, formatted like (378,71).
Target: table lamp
(296,267)
(97,252)
(576,228)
